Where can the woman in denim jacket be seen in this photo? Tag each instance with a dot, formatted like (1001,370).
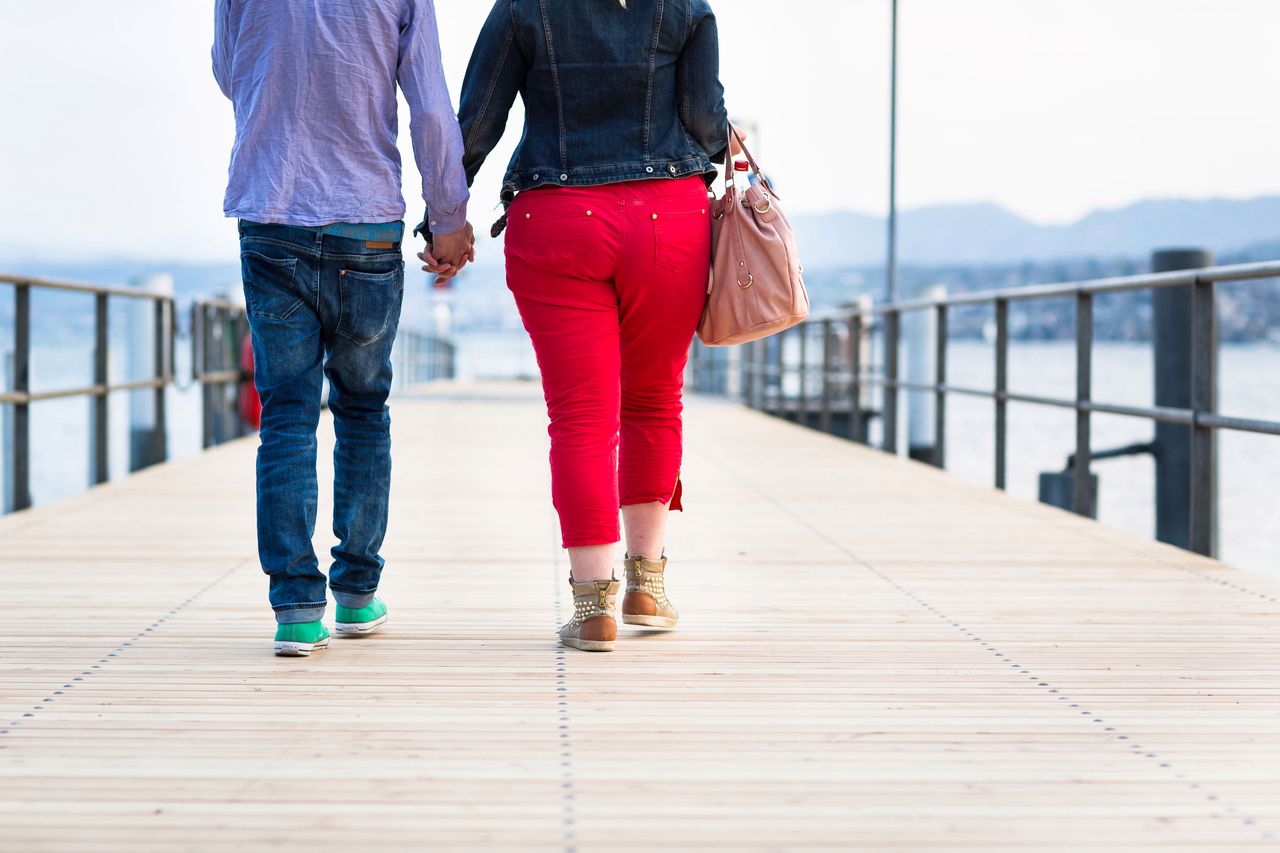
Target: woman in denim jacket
(607,253)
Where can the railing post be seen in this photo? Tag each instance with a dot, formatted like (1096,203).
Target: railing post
(892,331)
(824,421)
(163,330)
(21,462)
(1002,389)
(200,366)
(940,394)
(802,398)
(99,459)
(758,354)
(1082,480)
(1204,347)
(857,420)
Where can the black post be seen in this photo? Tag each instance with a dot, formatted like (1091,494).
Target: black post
(1176,361)
(21,462)
(99,464)
(892,335)
(828,351)
(802,400)
(160,438)
(857,420)
(940,395)
(1002,390)
(1082,493)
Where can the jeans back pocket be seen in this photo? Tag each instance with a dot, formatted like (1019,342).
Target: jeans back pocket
(370,303)
(269,289)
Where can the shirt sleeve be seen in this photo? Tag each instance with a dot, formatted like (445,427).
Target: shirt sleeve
(437,140)
(222,45)
(494,76)
(702,107)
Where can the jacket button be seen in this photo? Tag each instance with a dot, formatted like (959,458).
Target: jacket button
(673,169)
(648,169)
(564,177)
(536,176)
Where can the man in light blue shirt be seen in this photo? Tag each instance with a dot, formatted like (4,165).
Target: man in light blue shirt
(315,183)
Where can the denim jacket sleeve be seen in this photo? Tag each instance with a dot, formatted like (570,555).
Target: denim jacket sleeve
(494,76)
(701,94)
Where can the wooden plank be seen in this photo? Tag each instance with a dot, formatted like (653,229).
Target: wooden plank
(871,655)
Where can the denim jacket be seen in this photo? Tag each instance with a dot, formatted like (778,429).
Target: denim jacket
(611,94)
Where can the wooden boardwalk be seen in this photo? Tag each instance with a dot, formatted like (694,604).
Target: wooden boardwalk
(873,656)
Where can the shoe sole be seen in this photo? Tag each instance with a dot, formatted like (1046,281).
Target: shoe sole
(649,621)
(356,629)
(299,650)
(588,645)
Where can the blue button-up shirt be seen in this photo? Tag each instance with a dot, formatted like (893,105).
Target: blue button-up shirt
(313,83)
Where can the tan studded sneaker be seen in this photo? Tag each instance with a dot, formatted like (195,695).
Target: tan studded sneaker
(646,600)
(594,625)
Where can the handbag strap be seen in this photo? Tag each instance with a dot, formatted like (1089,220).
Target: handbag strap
(728,161)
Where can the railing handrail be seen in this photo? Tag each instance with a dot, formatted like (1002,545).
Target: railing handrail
(1114,284)
(83,287)
(764,367)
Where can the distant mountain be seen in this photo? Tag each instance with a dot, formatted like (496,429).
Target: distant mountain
(987,233)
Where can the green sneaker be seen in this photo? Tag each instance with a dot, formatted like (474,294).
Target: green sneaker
(358,621)
(299,639)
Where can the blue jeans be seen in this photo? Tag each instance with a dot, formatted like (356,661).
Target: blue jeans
(321,306)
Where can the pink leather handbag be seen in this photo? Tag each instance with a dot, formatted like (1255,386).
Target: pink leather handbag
(756,287)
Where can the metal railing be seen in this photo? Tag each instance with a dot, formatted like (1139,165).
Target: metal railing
(218,330)
(846,377)
(419,357)
(21,397)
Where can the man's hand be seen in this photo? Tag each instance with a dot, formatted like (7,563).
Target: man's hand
(448,254)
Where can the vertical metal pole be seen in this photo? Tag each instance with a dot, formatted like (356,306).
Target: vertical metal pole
(824,421)
(1204,348)
(940,395)
(99,465)
(857,419)
(892,331)
(1002,389)
(201,361)
(21,462)
(802,400)
(748,385)
(160,438)
(1082,480)
(1174,335)
(891,265)
(762,381)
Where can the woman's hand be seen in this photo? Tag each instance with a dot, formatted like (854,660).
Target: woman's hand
(446,257)
(735,148)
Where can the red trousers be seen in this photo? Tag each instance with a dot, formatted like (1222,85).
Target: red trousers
(610,282)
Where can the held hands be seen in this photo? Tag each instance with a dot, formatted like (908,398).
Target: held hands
(448,254)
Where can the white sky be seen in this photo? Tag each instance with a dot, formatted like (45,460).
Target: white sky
(115,137)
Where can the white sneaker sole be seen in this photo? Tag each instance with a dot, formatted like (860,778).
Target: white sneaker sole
(356,629)
(588,645)
(300,650)
(650,621)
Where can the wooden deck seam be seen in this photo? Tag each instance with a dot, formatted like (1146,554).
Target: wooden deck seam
(52,697)
(1134,750)
(1103,537)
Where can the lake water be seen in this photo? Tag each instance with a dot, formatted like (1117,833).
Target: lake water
(1040,438)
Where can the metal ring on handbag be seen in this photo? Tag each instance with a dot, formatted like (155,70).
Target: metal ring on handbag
(750,281)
